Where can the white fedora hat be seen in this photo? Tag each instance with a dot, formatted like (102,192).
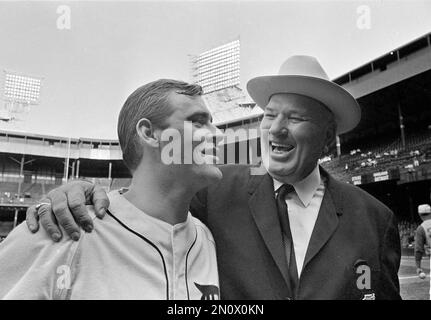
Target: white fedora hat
(304,75)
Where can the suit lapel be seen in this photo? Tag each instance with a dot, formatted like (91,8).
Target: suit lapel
(264,211)
(327,219)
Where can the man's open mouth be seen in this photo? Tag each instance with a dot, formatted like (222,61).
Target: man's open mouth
(280,147)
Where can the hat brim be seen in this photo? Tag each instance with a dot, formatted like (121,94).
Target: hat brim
(345,108)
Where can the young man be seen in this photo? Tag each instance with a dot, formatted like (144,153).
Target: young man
(149,246)
(293,232)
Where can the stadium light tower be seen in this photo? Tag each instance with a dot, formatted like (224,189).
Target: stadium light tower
(218,68)
(19,93)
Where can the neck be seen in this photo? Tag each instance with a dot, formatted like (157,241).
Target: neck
(155,192)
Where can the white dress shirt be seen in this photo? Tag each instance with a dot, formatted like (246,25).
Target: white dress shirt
(303,208)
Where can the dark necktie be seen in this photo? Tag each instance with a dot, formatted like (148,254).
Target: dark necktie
(287,235)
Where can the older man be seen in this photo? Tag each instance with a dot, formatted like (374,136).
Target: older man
(149,246)
(292,232)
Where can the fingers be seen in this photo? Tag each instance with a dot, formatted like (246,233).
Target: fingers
(67,205)
(76,202)
(31,218)
(100,201)
(62,213)
(47,219)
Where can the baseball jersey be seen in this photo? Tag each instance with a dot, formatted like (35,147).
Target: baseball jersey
(128,255)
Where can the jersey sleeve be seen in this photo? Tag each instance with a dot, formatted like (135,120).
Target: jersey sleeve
(32,266)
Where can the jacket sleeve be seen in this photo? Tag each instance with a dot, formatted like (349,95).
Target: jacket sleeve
(390,257)
(32,266)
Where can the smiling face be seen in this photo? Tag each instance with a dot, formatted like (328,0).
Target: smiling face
(294,132)
(192,119)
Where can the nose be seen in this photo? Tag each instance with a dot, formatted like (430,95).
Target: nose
(217,134)
(278,127)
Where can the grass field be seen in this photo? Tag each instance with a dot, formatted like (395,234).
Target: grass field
(412,287)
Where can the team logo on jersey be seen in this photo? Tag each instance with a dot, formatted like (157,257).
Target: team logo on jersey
(209,292)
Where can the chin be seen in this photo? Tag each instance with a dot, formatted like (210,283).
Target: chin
(276,171)
(281,171)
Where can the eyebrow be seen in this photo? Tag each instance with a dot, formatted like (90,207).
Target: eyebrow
(299,111)
(269,109)
(206,115)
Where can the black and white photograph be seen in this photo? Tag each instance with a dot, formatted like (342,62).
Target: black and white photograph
(215,151)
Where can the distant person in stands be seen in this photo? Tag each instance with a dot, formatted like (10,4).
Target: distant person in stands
(148,246)
(423,236)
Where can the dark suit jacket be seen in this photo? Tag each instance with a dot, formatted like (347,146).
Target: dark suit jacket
(352,228)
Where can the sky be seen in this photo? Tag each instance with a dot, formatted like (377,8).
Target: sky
(110,48)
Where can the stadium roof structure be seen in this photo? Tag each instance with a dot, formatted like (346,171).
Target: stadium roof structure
(394,92)
(231,105)
(241,113)
(23,134)
(97,140)
(396,65)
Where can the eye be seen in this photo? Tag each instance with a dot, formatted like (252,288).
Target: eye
(269,115)
(296,119)
(200,121)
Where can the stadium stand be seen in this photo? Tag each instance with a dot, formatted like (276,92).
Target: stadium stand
(407,233)
(383,156)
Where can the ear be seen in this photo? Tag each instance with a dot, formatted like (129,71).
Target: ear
(145,131)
